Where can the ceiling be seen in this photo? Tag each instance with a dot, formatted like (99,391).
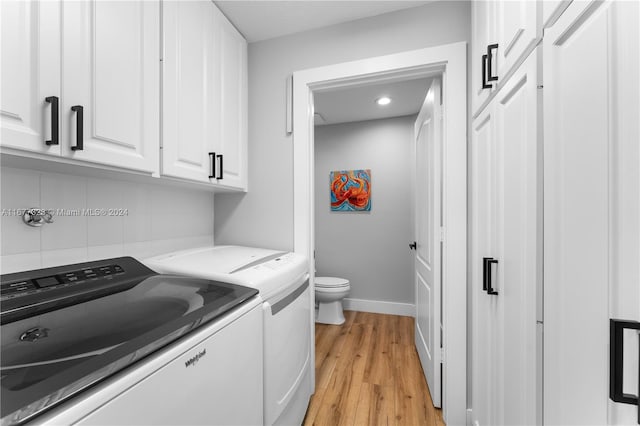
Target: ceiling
(350,104)
(264,19)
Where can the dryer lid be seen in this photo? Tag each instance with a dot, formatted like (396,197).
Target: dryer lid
(331,282)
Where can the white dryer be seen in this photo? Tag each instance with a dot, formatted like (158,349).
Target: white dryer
(282,279)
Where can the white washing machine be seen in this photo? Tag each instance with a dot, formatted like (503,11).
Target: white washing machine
(282,280)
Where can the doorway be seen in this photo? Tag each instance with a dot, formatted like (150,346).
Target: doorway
(450,62)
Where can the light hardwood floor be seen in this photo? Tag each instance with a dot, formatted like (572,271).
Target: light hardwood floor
(368,373)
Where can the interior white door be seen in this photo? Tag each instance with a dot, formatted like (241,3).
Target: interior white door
(428,249)
(112,70)
(30,61)
(190,101)
(592,206)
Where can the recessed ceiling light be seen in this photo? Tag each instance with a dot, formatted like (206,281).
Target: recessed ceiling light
(383,100)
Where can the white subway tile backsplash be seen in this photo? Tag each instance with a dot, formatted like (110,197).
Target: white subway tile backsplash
(20,190)
(157,219)
(137,221)
(103,197)
(19,262)
(68,196)
(60,257)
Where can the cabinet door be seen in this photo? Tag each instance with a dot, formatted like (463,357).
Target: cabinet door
(30,61)
(233,112)
(111,69)
(516,32)
(592,205)
(482,27)
(551,11)
(519,214)
(190,113)
(484,392)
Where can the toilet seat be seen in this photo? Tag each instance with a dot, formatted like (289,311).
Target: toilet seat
(330,282)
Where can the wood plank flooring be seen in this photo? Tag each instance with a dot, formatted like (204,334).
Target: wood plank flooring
(368,373)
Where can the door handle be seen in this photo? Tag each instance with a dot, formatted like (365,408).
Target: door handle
(616,350)
(212,167)
(79,128)
(221,170)
(485,61)
(413,246)
(490,49)
(53,100)
(490,261)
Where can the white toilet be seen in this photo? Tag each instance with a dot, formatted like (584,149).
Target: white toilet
(329,294)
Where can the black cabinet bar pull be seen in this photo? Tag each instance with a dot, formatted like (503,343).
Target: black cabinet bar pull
(79,128)
(490,50)
(221,172)
(616,350)
(485,85)
(485,268)
(490,289)
(212,159)
(53,100)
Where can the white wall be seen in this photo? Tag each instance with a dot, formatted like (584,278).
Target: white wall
(264,216)
(371,249)
(159,219)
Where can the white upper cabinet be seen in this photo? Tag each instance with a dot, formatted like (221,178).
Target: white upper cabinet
(504,32)
(204,96)
(190,104)
(111,70)
(30,61)
(95,65)
(517,32)
(232,144)
(483,36)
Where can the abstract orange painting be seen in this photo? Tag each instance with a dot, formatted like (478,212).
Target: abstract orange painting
(350,190)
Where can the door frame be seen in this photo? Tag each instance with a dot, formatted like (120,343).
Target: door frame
(450,60)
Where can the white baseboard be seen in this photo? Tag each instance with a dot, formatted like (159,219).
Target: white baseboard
(380,307)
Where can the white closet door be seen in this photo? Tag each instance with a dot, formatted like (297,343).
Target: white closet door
(232,143)
(190,93)
(483,326)
(111,69)
(591,199)
(30,61)
(519,238)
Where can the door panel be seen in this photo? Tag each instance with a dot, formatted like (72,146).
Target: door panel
(592,191)
(516,118)
(233,89)
(428,178)
(517,30)
(30,73)
(111,69)
(482,227)
(190,73)
(482,19)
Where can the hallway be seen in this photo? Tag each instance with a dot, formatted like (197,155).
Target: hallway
(368,373)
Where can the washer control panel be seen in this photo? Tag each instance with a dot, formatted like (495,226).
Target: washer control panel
(13,289)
